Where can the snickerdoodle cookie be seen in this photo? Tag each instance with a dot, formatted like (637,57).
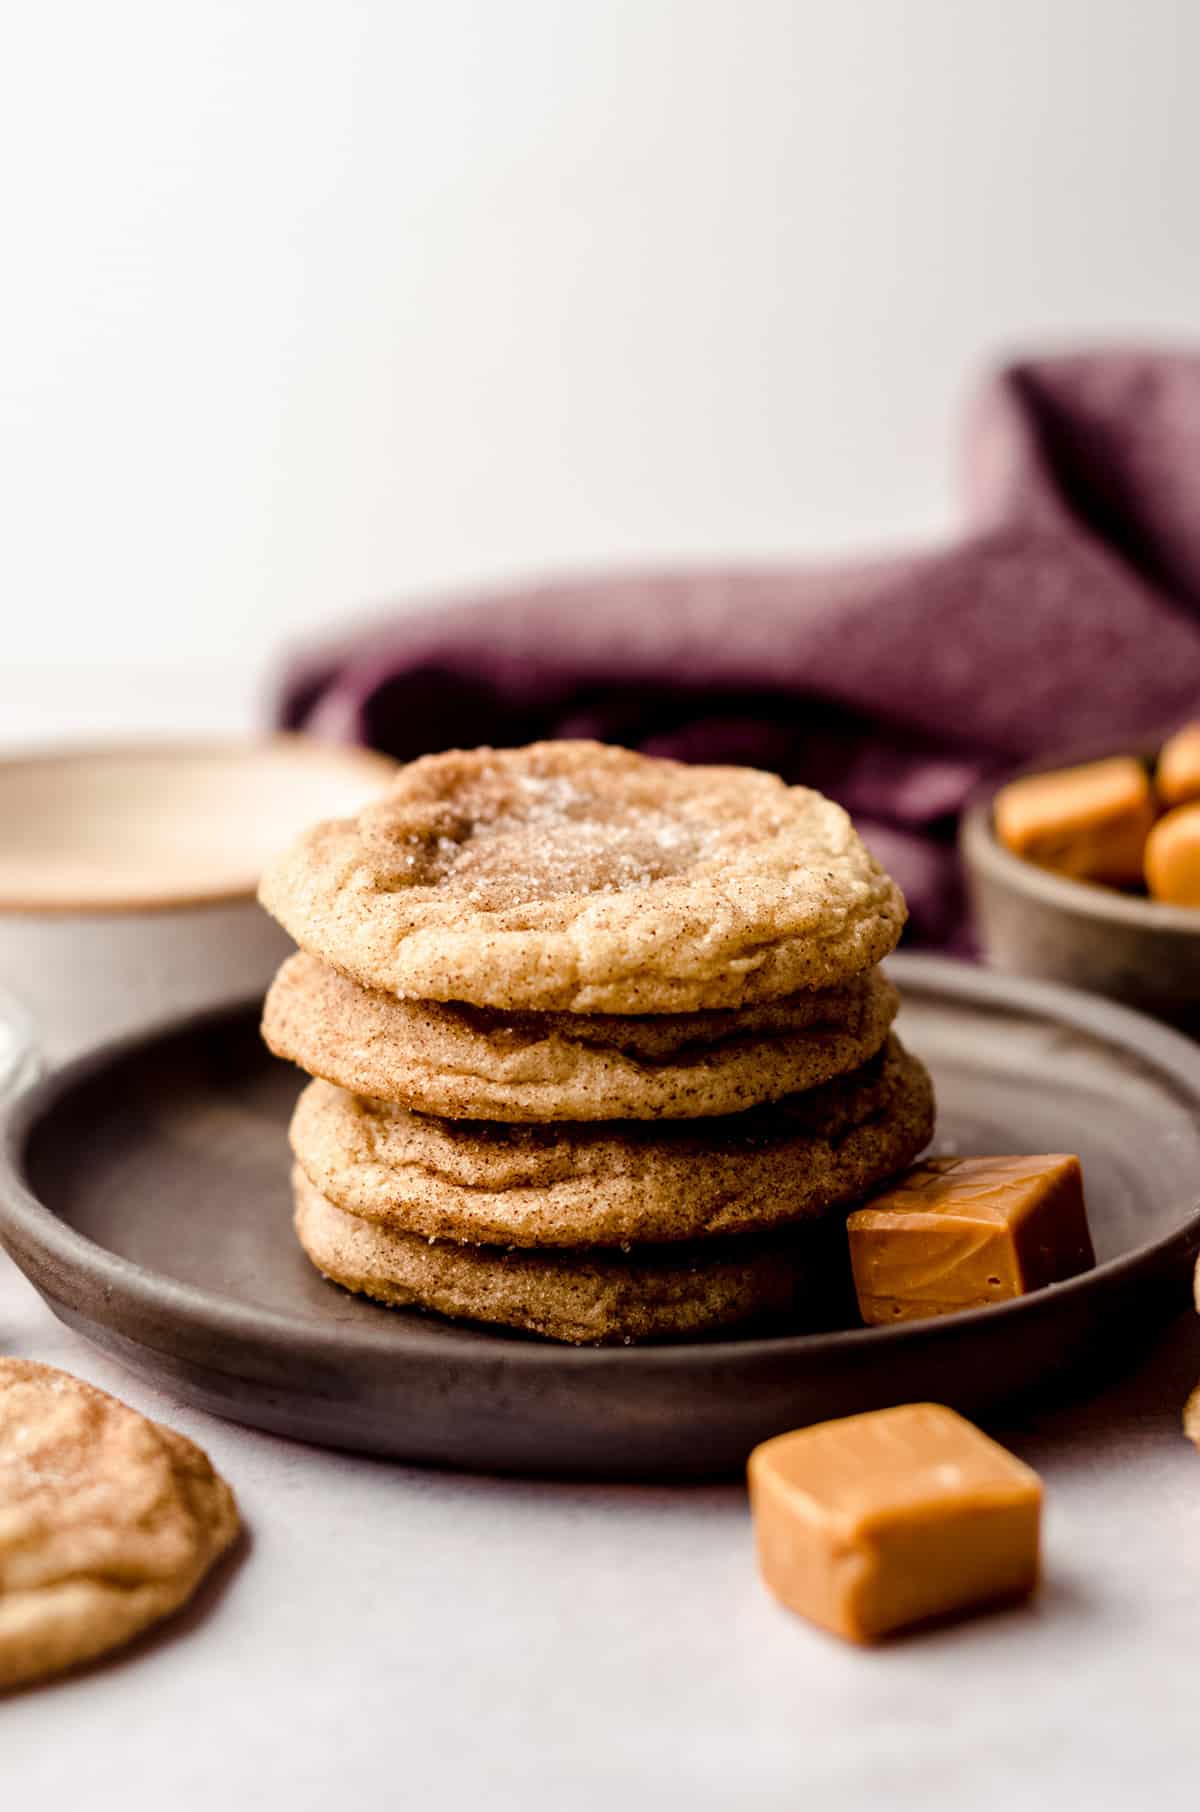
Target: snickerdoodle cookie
(619,1182)
(571,876)
(580,1297)
(108,1522)
(480,1063)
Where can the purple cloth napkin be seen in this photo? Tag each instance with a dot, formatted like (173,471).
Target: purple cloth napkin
(1068,614)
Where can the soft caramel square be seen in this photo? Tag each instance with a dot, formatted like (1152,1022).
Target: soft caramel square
(1177,776)
(1173,857)
(879,1521)
(957,1233)
(1088,822)
(1191,1417)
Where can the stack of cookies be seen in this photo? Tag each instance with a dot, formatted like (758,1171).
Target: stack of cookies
(600,1046)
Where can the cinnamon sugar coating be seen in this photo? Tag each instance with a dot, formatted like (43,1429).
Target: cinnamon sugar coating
(466,1062)
(571,876)
(108,1522)
(584,1298)
(616,1183)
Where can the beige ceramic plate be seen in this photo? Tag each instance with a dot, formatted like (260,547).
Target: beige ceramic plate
(135,827)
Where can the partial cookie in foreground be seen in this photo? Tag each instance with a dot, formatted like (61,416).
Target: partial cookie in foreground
(580,1297)
(108,1522)
(464,1062)
(571,876)
(621,1183)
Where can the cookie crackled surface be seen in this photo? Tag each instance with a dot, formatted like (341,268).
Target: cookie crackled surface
(616,1183)
(108,1522)
(482,1063)
(572,876)
(582,1297)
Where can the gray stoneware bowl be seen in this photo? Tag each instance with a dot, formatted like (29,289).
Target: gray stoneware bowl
(1032,922)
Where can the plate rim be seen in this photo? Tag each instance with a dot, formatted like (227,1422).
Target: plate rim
(29,1224)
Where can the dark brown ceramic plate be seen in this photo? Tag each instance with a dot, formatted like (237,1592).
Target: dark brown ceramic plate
(144,1191)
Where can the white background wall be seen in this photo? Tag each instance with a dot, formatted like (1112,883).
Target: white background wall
(306,303)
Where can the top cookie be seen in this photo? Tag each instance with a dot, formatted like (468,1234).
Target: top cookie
(571,876)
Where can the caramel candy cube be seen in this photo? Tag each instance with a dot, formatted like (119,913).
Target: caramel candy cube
(1177,777)
(1089,822)
(1191,1417)
(1173,857)
(956,1233)
(879,1521)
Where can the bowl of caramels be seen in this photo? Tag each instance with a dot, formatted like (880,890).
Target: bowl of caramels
(1088,872)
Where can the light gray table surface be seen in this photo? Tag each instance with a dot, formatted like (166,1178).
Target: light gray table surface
(443,1641)
(450,1641)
